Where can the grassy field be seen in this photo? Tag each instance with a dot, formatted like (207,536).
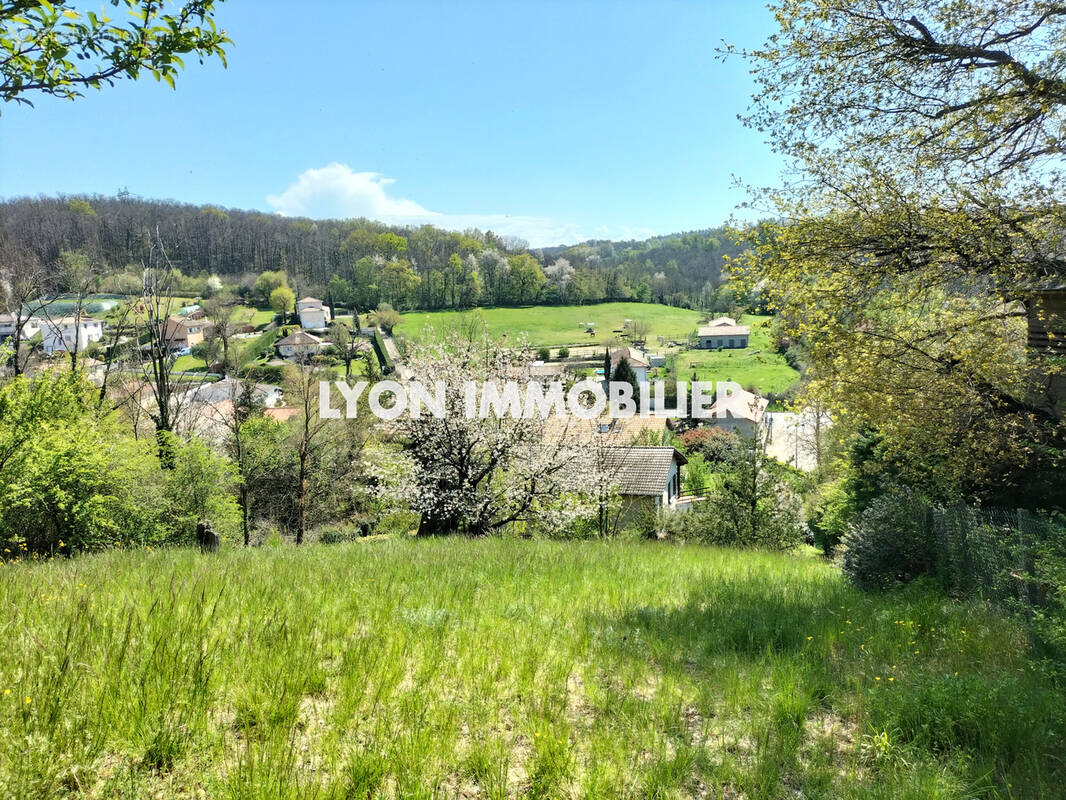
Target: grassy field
(755,367)
(557,325)
(499,668)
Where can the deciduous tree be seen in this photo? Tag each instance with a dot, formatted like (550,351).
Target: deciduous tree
(60,48)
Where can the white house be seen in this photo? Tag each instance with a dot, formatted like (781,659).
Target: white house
(31,326)
(743,413)
(723,332)
(300,344)
(636,360)
(314,315)
(60,335)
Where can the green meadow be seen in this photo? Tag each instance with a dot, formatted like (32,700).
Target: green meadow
(508,669)
(551,326)
(757,366)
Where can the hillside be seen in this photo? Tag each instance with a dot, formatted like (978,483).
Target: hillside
(423,267)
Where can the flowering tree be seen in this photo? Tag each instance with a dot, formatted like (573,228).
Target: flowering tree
(477,474)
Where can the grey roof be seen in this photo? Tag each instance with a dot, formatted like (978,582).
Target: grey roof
(640,470)
(723,330)
(297,338)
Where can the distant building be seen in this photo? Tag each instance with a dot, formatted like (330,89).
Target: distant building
(723,332)
(743,413)
(31,326)
(63,334)
(299,344)
(314,315)
(184,332)
(636,360)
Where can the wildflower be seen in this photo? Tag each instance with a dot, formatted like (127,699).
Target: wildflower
(916,652)
(809,638)
(891,679)
(7,691)
(29,700)
(877,677)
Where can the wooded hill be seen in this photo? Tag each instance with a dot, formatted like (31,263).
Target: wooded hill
(410,267)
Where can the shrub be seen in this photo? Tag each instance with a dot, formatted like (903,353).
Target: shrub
(829,516)
(265,373)
(564,352)
(398,523)
(890,541)
(544,353)
(336,534)
(713,443)
(259,347)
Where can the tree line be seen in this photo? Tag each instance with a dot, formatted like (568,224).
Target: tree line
(365,261)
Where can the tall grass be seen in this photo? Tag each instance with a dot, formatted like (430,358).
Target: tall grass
(498,668)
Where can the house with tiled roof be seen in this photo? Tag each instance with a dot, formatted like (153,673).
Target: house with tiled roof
(185,332)
(741,412)
(314,314)
(299,344)
(644,476)
(637,360)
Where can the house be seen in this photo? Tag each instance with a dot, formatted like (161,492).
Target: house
(723,332)
(646,477)
(63,334)
(636,360)
(743,413)
(31,326)
(299,344)
(313,314)
(212,404)
(181,333)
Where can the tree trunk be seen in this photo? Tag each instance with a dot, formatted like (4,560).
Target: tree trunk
(301,500)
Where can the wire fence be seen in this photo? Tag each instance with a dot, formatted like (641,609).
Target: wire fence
(990,553)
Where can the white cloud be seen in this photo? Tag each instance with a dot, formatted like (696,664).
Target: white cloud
(337,191)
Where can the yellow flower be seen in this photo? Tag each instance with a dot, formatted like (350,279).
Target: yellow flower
(29,700)
(809,638)
(877,677)
(891,679)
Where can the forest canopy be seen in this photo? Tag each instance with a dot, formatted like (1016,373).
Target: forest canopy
(423,267)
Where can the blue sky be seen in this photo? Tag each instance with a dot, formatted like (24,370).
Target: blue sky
(552,121)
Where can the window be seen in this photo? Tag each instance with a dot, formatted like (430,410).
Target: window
(731,343)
